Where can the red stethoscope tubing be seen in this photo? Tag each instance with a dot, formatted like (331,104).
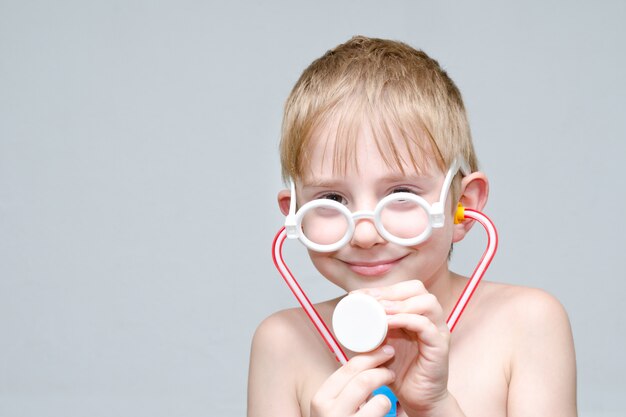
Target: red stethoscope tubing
(316,319)
(453,318)
(481,267)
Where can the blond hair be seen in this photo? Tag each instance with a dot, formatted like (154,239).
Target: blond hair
(399,92)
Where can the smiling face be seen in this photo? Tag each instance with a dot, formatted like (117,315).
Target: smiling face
(368,118)
(368,260)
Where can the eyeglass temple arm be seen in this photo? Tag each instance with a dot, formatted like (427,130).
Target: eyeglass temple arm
(290,221)
(438,216)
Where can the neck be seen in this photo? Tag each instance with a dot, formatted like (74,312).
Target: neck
(446,286)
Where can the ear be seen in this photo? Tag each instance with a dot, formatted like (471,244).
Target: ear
(284,199)
(474,194)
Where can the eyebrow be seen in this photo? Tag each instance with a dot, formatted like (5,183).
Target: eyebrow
(331,183)
(409,178)
(321,183)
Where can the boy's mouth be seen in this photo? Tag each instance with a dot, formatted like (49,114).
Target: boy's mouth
(373,268)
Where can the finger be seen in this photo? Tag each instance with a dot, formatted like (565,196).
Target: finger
(360,388)
(427,332)
(399,291)
(335,384)
(378,406)
(426,305)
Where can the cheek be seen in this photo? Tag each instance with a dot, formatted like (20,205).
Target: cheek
(325,265)
(439,240)
(431,255)
(442,240)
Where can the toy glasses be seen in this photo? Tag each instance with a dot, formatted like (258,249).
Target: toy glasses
(402,218)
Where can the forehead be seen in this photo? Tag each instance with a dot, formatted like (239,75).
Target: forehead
(339,147)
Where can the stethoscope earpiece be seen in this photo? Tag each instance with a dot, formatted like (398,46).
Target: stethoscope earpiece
(459,215)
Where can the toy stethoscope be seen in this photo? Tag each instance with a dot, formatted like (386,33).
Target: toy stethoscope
(292,229)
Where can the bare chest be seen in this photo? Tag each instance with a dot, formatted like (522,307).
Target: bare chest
(478,377)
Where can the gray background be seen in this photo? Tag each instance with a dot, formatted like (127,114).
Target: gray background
(139,169)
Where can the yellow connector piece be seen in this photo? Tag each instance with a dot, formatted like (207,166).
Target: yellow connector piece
(459,216)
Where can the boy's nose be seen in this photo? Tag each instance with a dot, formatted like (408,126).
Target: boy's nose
(365,234)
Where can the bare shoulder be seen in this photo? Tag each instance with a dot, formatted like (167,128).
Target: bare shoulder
(279,336)
(522,308)
(272,365)
(287,356)
(515,317)
(542,379)
(525,336)
(541,346)
(290,331)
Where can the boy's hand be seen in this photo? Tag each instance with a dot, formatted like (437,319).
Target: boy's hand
(346,392)
(421,338)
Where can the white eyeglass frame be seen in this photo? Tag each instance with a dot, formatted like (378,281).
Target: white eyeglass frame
(436,215)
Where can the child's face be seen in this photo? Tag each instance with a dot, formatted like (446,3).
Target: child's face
(368,260)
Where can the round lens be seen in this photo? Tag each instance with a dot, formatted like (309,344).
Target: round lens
(404,218)
(324,225)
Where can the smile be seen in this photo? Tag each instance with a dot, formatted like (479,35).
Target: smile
(372,269)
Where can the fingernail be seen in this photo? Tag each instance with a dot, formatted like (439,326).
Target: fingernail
(389,350)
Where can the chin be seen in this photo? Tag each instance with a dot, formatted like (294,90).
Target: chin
(359,282)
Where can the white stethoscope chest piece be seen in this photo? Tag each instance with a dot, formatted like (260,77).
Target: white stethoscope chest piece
(360,323)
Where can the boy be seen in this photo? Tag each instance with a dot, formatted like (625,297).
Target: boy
(369,119)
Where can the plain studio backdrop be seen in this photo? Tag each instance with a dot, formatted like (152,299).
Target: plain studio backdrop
(139,172)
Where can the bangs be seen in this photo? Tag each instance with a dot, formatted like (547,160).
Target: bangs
(402,139)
